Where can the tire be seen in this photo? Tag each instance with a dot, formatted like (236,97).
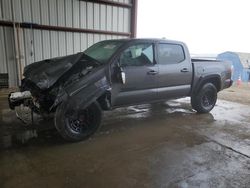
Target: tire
(78,125)
(205,100)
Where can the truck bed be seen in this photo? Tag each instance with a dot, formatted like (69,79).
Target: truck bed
(204,60)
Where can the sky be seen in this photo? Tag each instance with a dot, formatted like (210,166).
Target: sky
(206,26)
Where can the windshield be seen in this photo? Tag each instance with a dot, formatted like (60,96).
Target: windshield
(102,51)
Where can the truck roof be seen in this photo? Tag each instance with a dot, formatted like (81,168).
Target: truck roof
(149,40)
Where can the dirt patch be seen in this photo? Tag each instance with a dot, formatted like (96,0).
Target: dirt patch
(240,94)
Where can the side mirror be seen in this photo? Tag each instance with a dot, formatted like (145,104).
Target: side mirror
(120,73)
(123,77)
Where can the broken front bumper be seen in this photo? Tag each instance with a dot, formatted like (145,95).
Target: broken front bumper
(18,101)
(18,98)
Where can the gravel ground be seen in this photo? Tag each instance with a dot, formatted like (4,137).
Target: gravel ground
(239,94)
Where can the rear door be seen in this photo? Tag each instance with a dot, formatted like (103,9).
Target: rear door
(175,71)
(138,63)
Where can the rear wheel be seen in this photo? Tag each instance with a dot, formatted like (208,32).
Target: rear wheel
(76,125)
(205,100)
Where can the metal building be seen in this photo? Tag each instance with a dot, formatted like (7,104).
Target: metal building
(240,64)
(32,30)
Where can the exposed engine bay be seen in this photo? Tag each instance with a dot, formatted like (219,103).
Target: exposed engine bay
(39,91)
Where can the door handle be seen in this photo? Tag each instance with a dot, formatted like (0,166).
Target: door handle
(184,70)
(152,72)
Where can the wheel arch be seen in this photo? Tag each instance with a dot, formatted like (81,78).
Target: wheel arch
(214,79)
(104,100)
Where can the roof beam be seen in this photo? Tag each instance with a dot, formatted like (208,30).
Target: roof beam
(112,3)
(59,28)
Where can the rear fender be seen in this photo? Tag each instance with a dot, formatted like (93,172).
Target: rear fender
(214,79)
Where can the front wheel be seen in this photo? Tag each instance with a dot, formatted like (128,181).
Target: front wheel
(205,100)
(76,125)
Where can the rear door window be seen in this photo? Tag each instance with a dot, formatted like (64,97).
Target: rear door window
(170,53)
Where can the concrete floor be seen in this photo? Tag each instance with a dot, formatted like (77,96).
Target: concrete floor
(159,145)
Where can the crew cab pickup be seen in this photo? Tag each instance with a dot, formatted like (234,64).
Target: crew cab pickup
(75,89)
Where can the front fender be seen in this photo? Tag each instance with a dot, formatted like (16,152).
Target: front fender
(82,96)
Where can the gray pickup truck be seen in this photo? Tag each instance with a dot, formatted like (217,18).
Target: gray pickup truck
(76,89)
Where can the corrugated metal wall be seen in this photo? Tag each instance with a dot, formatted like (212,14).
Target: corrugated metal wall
(37,44)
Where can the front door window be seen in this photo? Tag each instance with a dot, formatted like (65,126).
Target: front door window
(137,55)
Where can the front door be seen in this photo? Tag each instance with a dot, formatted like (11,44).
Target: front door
(138,64)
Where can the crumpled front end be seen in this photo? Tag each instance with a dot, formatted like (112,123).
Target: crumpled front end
(30,99)
(44,74)
(78,87)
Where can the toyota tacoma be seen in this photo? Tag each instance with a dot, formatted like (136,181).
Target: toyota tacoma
(75,89)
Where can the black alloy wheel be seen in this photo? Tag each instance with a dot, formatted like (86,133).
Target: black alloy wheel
(76,125)
(205,100)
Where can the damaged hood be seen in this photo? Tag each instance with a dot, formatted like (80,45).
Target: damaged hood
(46,73)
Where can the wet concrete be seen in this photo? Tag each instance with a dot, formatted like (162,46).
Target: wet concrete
(158,145)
